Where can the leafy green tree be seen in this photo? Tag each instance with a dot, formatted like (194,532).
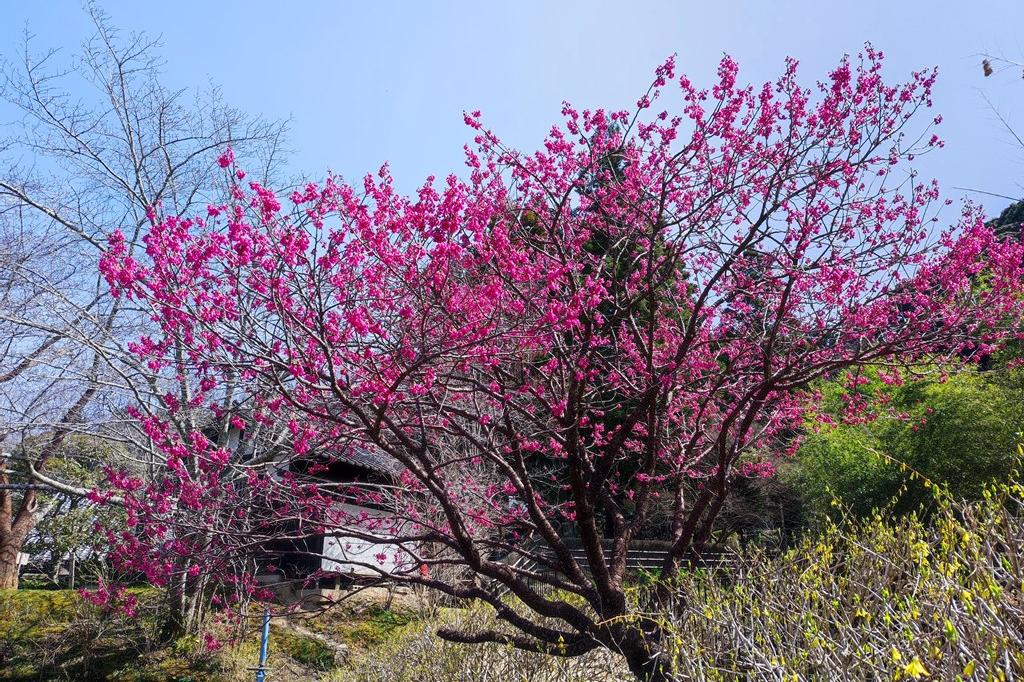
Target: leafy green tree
(959,430)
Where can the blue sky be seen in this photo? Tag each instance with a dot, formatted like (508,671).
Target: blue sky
(374,81)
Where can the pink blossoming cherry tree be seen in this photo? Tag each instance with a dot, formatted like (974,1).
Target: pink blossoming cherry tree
(554,346)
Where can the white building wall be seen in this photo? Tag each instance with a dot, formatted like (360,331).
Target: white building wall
(340,553)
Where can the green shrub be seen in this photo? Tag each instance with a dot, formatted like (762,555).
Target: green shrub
(878,598)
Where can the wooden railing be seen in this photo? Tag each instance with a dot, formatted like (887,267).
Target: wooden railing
(649,558)
(654,559)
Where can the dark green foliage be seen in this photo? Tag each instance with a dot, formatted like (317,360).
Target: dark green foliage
(1009,222)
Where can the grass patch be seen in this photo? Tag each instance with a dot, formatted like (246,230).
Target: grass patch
(58,635)
(360,629)
(55,634)
(308,651)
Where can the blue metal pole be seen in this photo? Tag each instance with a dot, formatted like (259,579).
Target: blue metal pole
(261,671)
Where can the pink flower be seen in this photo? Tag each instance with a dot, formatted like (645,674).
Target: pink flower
(227,158)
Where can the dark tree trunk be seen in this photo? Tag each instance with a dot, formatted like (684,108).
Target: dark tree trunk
(649,667)
(172,621)
(184,606)
(645,655)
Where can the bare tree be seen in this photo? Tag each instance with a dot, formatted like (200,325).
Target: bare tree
(100,144)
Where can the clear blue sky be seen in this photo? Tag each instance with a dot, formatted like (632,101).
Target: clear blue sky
(366,82)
